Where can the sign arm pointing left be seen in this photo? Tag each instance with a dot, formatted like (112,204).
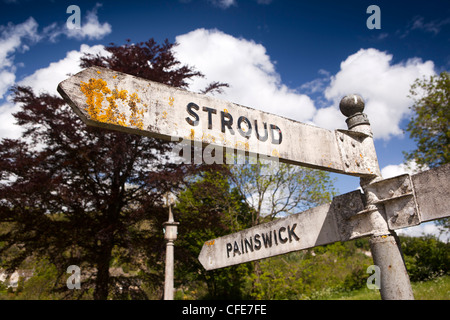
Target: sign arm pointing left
(118,101)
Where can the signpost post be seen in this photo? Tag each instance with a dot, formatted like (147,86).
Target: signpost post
(113,100)
(170,235)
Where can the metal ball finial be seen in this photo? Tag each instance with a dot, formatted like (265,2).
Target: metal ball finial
(351,105)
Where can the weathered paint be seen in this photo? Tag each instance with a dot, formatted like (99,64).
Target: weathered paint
(161,111)
(432,190)
(97,92)
(345,218)
(336,221)
(395,284)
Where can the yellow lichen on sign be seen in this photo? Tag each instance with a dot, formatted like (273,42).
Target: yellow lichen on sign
(275,153)
(96,90)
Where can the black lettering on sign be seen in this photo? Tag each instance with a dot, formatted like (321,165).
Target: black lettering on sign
(243,124)
(282,240)
(266,134)
(257,242)
(245,134)
(267,240)
(291,233)
(228,122)
(210,111)
(229,249)
(236,249)
(248,244)
(253,243)
(274,128)
(192,113)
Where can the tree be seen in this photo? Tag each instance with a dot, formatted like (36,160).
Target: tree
(426,257)
(429,126)
(82,195)
(209,208)
(274,189)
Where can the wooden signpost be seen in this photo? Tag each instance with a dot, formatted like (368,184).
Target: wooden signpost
(113,100)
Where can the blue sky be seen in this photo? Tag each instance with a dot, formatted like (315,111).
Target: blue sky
(293,58)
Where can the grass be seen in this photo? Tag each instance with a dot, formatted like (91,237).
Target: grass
(436,289)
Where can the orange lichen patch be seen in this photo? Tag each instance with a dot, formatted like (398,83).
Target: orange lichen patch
(171,99)
(96,91)
(98,72)
(192,134)
(137,114)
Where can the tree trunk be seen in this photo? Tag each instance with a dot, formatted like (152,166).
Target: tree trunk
(256,281)
(102,281)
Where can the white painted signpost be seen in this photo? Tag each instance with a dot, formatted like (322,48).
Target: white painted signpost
(343,219)
(113,100)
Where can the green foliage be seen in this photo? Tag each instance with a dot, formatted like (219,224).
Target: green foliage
(430,124)
(234,199)
(40,286)
(273,190)
(208,209)
(436,289)
(313,273)
(425,257)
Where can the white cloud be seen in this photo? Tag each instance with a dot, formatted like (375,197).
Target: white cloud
(329,118)
(393,170)
(12,39)
(90,28)
(47,79)
(246,67)
(318,84)
(16,39)
(254,82)
(434,27)
(9,129)
(224,4)
(12,36)
(7,79)
(383,85)
(428,228)
(44,80)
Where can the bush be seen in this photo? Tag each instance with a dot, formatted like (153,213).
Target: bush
(425,257)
